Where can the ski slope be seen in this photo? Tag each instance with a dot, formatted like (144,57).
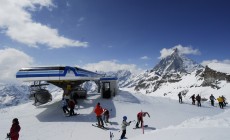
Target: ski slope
(168,119)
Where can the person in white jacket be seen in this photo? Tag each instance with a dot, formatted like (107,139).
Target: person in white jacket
(123,126)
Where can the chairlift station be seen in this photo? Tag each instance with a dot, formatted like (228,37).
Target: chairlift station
(65,77)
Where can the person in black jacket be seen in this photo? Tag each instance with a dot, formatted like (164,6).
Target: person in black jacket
(180,98)
(212,98)
(193,99)
(198,98)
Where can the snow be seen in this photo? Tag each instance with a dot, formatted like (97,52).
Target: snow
(168,119)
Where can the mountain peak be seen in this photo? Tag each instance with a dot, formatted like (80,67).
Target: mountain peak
(175,63)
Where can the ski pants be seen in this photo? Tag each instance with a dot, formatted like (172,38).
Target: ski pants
(65,109)
(100,121)
(123,134)
(212,102)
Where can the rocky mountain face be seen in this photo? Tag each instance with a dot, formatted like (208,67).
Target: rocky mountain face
(170,69)
(212,77)
(175,63)
(173,69)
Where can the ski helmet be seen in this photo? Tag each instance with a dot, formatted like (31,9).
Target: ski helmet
(125,118)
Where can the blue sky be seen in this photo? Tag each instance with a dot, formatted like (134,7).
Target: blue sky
(104,34)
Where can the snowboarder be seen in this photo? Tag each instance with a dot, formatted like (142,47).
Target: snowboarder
(71,106)
(198,98)
(140,116)
(123,127)
(180,97)
(14,130)
(220,100)
(212,98)
(193,99)
(64,106)
(99,111)
(106,115)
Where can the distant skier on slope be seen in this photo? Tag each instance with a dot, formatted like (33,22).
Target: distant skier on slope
(198,98)
(71,106)
(65,106)
(123,127)
(224,100)
(99,111)
(193,99)
(212,99)
(140,116)
(220,100)
(180,97)
(106,115)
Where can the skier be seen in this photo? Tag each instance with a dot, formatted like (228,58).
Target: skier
(198,98)
(212,98)
(220,100)
(180,97)
(71,106)
(99,111)
(123,127)
(106,115)
(193,99)
(140,116)
(14,130)
(224,100)
(66,95)
(64,106)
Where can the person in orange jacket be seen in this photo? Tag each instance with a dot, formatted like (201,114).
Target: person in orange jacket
(14,130)
(99,111)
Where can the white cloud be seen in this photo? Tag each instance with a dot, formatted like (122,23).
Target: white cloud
(206,62)
(145,57)
(182,50)
(17,23)
(11,60)
(113,65)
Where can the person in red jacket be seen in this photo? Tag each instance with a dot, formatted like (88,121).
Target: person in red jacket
(99,111)
(140,116)
(14,130)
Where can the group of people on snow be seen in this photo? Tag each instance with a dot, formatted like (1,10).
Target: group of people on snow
(220,99)
(67,102)
(99,111)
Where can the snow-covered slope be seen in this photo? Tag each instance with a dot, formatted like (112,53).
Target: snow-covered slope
(167,119)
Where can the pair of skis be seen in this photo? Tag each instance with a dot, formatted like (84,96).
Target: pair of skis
(103,128)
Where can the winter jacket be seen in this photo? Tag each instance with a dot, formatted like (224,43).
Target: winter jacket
(71,104)
(220,100)
(14,131)
(212,98)
(98,110)
(198,98)
(64,103)
(124,125)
